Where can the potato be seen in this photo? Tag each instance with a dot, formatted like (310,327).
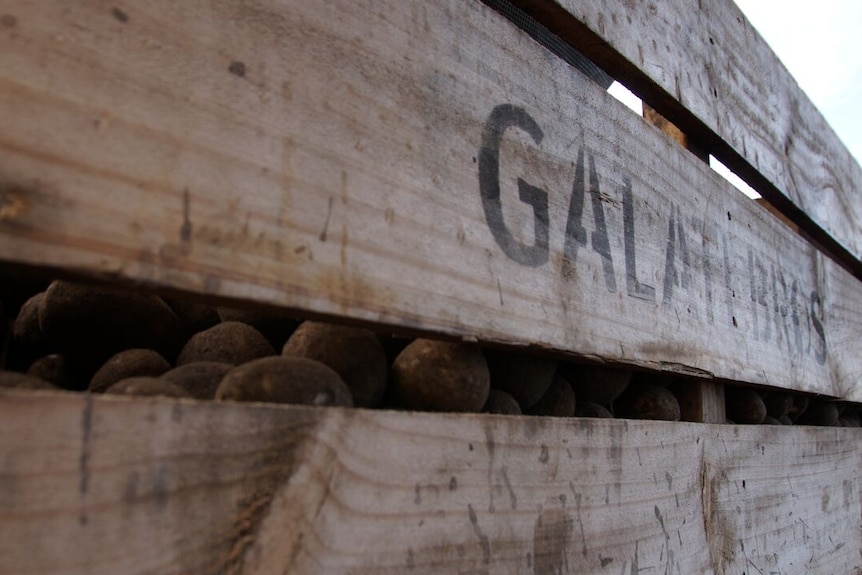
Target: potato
(501,403)
(127,364)
(17,380)
(785,420)
(56,370)
(599,385)
(777,403)
(228,342)
(800,404)
(274,324)
(647,401)
(524,377)
(590,409)
(819,412)
(850,420)
(440,376)
(285,380)
(146,386)
(199,378)
(558,401)
(744,405)
(355,354)
(90,324)
(769,420)
(28,343)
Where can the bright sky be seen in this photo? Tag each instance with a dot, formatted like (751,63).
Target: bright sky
(820,43)
(821,46)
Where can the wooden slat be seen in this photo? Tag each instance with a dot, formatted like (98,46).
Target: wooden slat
(714,76)
(139,486)
(701,401)
(333,158)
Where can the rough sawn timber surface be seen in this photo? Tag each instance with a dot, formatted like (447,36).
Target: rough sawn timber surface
(366,161)
(713,75)
(147,486)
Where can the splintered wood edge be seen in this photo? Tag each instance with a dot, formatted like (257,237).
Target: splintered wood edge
(714,76)
(135,485)
(425,167)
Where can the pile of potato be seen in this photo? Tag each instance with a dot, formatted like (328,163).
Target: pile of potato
(90,338)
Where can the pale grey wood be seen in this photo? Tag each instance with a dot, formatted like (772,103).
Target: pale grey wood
(326,157)
(140,485)
(714,75)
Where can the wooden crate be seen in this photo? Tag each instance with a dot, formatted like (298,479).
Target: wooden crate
(431,168)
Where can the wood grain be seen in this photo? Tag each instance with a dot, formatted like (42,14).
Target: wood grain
(138,486)
(701,401)
(340,159)
(707,69)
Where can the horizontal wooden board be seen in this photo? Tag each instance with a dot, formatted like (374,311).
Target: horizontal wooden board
(708,70)
(426,166)
(141,486)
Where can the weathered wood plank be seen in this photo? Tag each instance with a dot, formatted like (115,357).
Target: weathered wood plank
(701,401)
(116,485)
(366,161)
(714,76)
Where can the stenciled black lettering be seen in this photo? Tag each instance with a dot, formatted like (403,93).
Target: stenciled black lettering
(758,279)
(634,287)
(781,308)
(752,285)
(576,234)
(671,278)
(730,294)
(794,314)
(601,243)
(684,253)
(762,274)
(820,343)
(503,117)
(674,278)
(707,271)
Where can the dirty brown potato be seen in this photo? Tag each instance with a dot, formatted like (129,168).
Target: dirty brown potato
(26,328)
(199,378)
(28,343)
(785,420)
(590,409)
(558,401)
(769,420)
(593,384)
(56,370)
(647,401)
(777,403)
(228,342)
(146,386)
(274,324)
(819,412)
(440,376)
(355,354)
(501,403)
(127,364)
(744,405)
(18,380)
(800,404)
(281,379)
(91,323)
(850,420)
(524,377)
